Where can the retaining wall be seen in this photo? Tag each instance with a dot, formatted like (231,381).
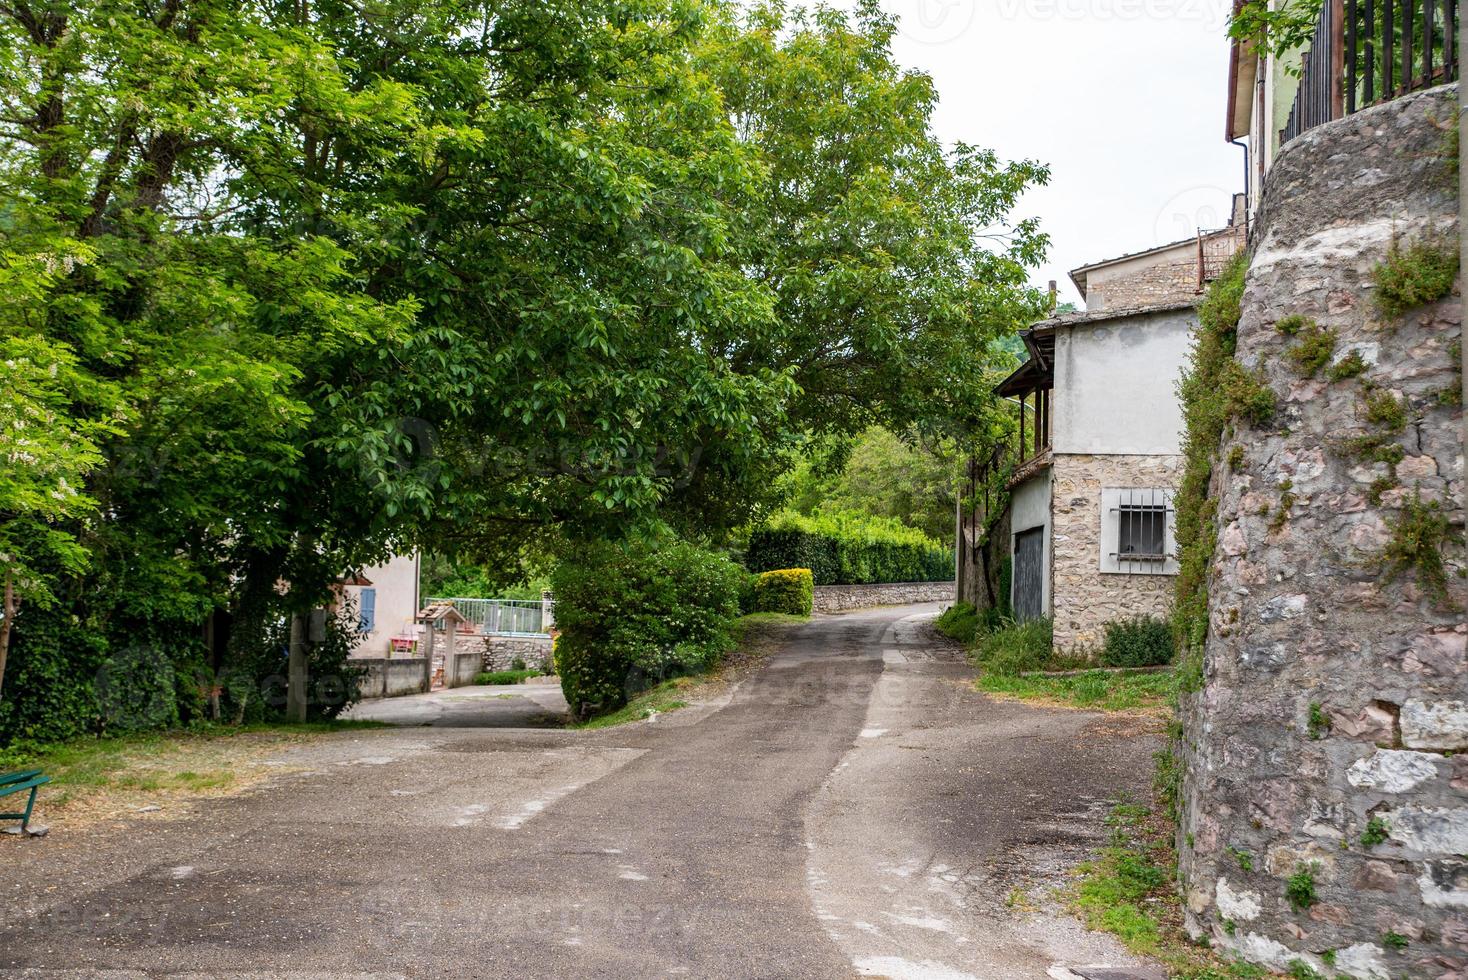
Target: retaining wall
(391,677)
(1322,746)
(836,598)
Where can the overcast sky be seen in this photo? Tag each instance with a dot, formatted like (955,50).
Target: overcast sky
(1124,99)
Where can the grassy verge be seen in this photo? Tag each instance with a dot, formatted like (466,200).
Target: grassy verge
(667,696)
(756,636)
(1129,891)
(1138,692)
(505,676)
(105,777)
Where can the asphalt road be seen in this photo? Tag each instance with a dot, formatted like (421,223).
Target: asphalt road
(851,809)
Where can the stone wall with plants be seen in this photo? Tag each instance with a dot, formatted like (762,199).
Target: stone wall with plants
(1322,821)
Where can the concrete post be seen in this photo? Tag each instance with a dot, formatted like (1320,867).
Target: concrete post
(296,671)
(428,642)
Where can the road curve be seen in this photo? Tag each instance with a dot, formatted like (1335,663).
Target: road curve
(852,808)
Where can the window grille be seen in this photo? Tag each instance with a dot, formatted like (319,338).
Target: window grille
(1137,531)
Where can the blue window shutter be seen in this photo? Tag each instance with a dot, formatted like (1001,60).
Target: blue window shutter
(368,608)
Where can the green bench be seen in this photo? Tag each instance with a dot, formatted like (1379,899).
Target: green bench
(18,782)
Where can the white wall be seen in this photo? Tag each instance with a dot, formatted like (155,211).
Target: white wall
(1116,385)
(1029,508)
(395,584)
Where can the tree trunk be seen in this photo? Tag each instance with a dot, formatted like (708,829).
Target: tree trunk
(12,606)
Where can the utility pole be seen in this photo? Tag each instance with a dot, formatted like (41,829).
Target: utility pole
(1462,267)
(295,695)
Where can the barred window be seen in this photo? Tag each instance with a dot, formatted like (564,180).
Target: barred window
(1137,531)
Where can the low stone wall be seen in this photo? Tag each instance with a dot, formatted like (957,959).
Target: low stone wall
(391,677)
(501,652)
(836,598)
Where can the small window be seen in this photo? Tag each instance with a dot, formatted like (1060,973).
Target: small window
(1137,532)
(1141,532)
(367,610)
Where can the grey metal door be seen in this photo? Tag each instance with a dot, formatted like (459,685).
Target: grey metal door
(1029,574)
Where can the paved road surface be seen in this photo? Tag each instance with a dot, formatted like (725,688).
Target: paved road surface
(852,809)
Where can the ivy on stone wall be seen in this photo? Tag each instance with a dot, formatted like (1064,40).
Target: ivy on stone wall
(1214,392)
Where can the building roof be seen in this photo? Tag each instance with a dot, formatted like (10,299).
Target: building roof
(1243,70)
(1078,275)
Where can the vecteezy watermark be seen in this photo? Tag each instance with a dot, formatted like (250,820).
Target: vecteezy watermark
(1202,208)
(1212,13)
(933,21)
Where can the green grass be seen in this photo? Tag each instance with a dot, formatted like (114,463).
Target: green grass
(1128,891)
(743,623)
(657,700)
(505,676)
(1098,689)
(194,761)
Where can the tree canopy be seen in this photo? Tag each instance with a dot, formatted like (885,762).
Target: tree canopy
(290,286)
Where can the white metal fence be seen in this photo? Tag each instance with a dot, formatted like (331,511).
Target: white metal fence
(502,617)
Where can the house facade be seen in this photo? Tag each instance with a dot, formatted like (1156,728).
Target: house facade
(386,600)
(1091,522)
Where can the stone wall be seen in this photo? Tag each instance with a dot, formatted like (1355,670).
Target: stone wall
(1083,598)
(501,652)
(1333,695)
(836,598)
(1168,276)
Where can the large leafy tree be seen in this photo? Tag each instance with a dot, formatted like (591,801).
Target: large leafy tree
(329,279)
(894,260)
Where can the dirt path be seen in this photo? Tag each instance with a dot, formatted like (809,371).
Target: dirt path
(852,808)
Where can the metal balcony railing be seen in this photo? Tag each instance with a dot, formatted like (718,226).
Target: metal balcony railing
(1370,51)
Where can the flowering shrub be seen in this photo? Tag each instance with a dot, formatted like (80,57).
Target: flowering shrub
(632,615)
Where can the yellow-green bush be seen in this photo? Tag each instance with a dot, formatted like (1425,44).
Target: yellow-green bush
(784,590)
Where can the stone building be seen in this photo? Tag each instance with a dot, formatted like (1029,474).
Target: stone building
(1090,524)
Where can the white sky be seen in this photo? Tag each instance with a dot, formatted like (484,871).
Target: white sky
(1124,99)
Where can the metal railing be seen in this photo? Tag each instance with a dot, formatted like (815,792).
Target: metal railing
(1370,51)
(502,617)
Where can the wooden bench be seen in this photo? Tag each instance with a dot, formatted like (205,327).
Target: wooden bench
(18,782)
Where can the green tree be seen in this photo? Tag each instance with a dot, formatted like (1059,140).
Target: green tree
(883,476)
(894,261)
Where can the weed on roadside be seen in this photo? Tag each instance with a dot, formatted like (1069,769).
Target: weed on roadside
(1129,891)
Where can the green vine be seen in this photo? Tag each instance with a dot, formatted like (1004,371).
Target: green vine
(1279,31)
(1414,275)
(1416,546)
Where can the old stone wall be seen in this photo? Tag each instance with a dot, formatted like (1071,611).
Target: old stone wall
(1167,277)
(501,652)
(1321,746)
(836,598)
(1083,598)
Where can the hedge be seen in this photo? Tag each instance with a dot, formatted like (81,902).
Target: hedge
(848,549)
(785,590)
(633,615)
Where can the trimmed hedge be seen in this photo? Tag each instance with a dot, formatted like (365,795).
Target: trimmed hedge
(785,590)
(633,615)
(848,549)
